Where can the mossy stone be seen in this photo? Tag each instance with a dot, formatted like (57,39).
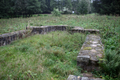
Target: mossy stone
(87,48)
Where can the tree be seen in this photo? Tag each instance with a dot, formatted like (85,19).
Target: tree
(96,5)
(110,7)
(33,7)
(21,7)
(83,7)
(47,5)
(75,4)
(66,6)
(6,8)
(53,4)
(27,7)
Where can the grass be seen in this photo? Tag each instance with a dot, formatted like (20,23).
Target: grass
(110,66)
(87,21)
(41,57)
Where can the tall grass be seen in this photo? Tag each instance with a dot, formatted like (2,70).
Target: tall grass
(88,21)
(41,57)
(109,27)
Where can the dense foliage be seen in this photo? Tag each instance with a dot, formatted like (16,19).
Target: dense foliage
(83,7)
(110,7)
(107,6)
(16,8)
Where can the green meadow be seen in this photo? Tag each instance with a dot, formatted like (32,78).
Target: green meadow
(93,21)
(41,57)
(52,56)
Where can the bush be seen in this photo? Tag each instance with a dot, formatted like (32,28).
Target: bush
(56,12)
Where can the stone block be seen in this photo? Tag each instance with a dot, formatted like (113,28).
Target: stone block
(85,78)
(72,77)
(98,79)
(84,58)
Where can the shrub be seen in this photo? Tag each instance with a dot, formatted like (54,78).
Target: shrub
(56,12)
(39,14)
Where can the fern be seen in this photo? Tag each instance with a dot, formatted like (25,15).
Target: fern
(111,64)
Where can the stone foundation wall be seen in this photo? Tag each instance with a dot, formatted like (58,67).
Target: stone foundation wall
(9,37)
(46,29)
(82,30)
(90,53)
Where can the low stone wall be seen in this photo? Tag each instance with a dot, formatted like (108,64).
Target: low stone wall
(90,53)
(9,37)
(82,30)
(46,29)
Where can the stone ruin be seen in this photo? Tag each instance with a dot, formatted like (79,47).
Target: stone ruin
(7,38)
(82,30)
(89,55)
